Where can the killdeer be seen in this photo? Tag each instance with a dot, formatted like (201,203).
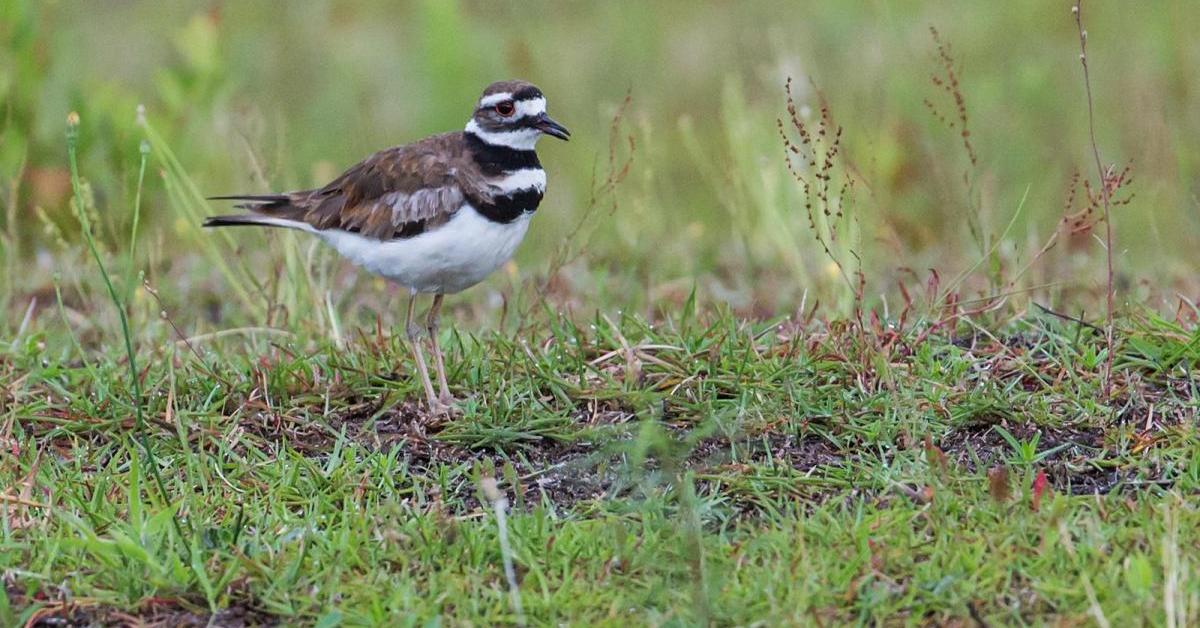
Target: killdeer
(436,216)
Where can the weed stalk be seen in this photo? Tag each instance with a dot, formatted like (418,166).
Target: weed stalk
(816,162)
(144,149)
(10,240)
(1077,10)
(500,506)
(86,227)
(693,530)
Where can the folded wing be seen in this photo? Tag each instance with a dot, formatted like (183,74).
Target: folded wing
(396,193)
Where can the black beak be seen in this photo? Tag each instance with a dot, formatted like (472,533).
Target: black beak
(552,128)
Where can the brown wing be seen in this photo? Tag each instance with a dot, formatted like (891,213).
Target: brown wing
(397,192)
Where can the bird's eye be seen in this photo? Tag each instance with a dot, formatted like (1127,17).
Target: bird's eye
(505,108)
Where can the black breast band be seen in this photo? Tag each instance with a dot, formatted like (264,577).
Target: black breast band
(507,208)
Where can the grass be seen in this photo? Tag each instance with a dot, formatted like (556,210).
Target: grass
(836,478)
(849,375)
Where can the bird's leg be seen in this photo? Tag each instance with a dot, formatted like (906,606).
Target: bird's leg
(414,339)
(439,362)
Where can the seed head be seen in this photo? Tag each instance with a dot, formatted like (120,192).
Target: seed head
(491,490)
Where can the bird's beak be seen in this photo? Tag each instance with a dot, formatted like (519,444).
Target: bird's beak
(552,128)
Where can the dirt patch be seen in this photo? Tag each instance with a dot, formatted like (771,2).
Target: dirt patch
(585,471)
(568,473)
(802,453)
(574,478)
(1068,452)
(153,612)
(362,421)
(755,473)
(563,473)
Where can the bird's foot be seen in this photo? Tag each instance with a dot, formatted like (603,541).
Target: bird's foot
(444,407)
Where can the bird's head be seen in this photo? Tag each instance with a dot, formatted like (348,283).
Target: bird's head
(513,114)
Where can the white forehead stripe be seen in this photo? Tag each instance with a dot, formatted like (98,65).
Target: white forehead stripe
(531,107)
(523,179)
(492,99)
(525,107)
(520,139)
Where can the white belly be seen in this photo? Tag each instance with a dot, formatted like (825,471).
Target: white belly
(448,259)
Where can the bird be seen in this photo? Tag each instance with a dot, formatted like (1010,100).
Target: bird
(436,216)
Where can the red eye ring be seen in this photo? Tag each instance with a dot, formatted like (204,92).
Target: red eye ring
(505,108)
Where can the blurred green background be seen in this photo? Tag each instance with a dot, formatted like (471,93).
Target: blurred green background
(255,96)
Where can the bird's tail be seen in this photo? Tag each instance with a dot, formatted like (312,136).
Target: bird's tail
(270,210)
(256,221)
(257,202)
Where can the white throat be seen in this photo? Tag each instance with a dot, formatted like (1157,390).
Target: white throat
(520,139)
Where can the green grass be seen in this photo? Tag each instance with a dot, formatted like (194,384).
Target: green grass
(695,415)
(836,477)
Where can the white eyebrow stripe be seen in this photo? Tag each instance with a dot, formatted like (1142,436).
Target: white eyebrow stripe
(523,179)
(492,99)
(532,107)
(521,139)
